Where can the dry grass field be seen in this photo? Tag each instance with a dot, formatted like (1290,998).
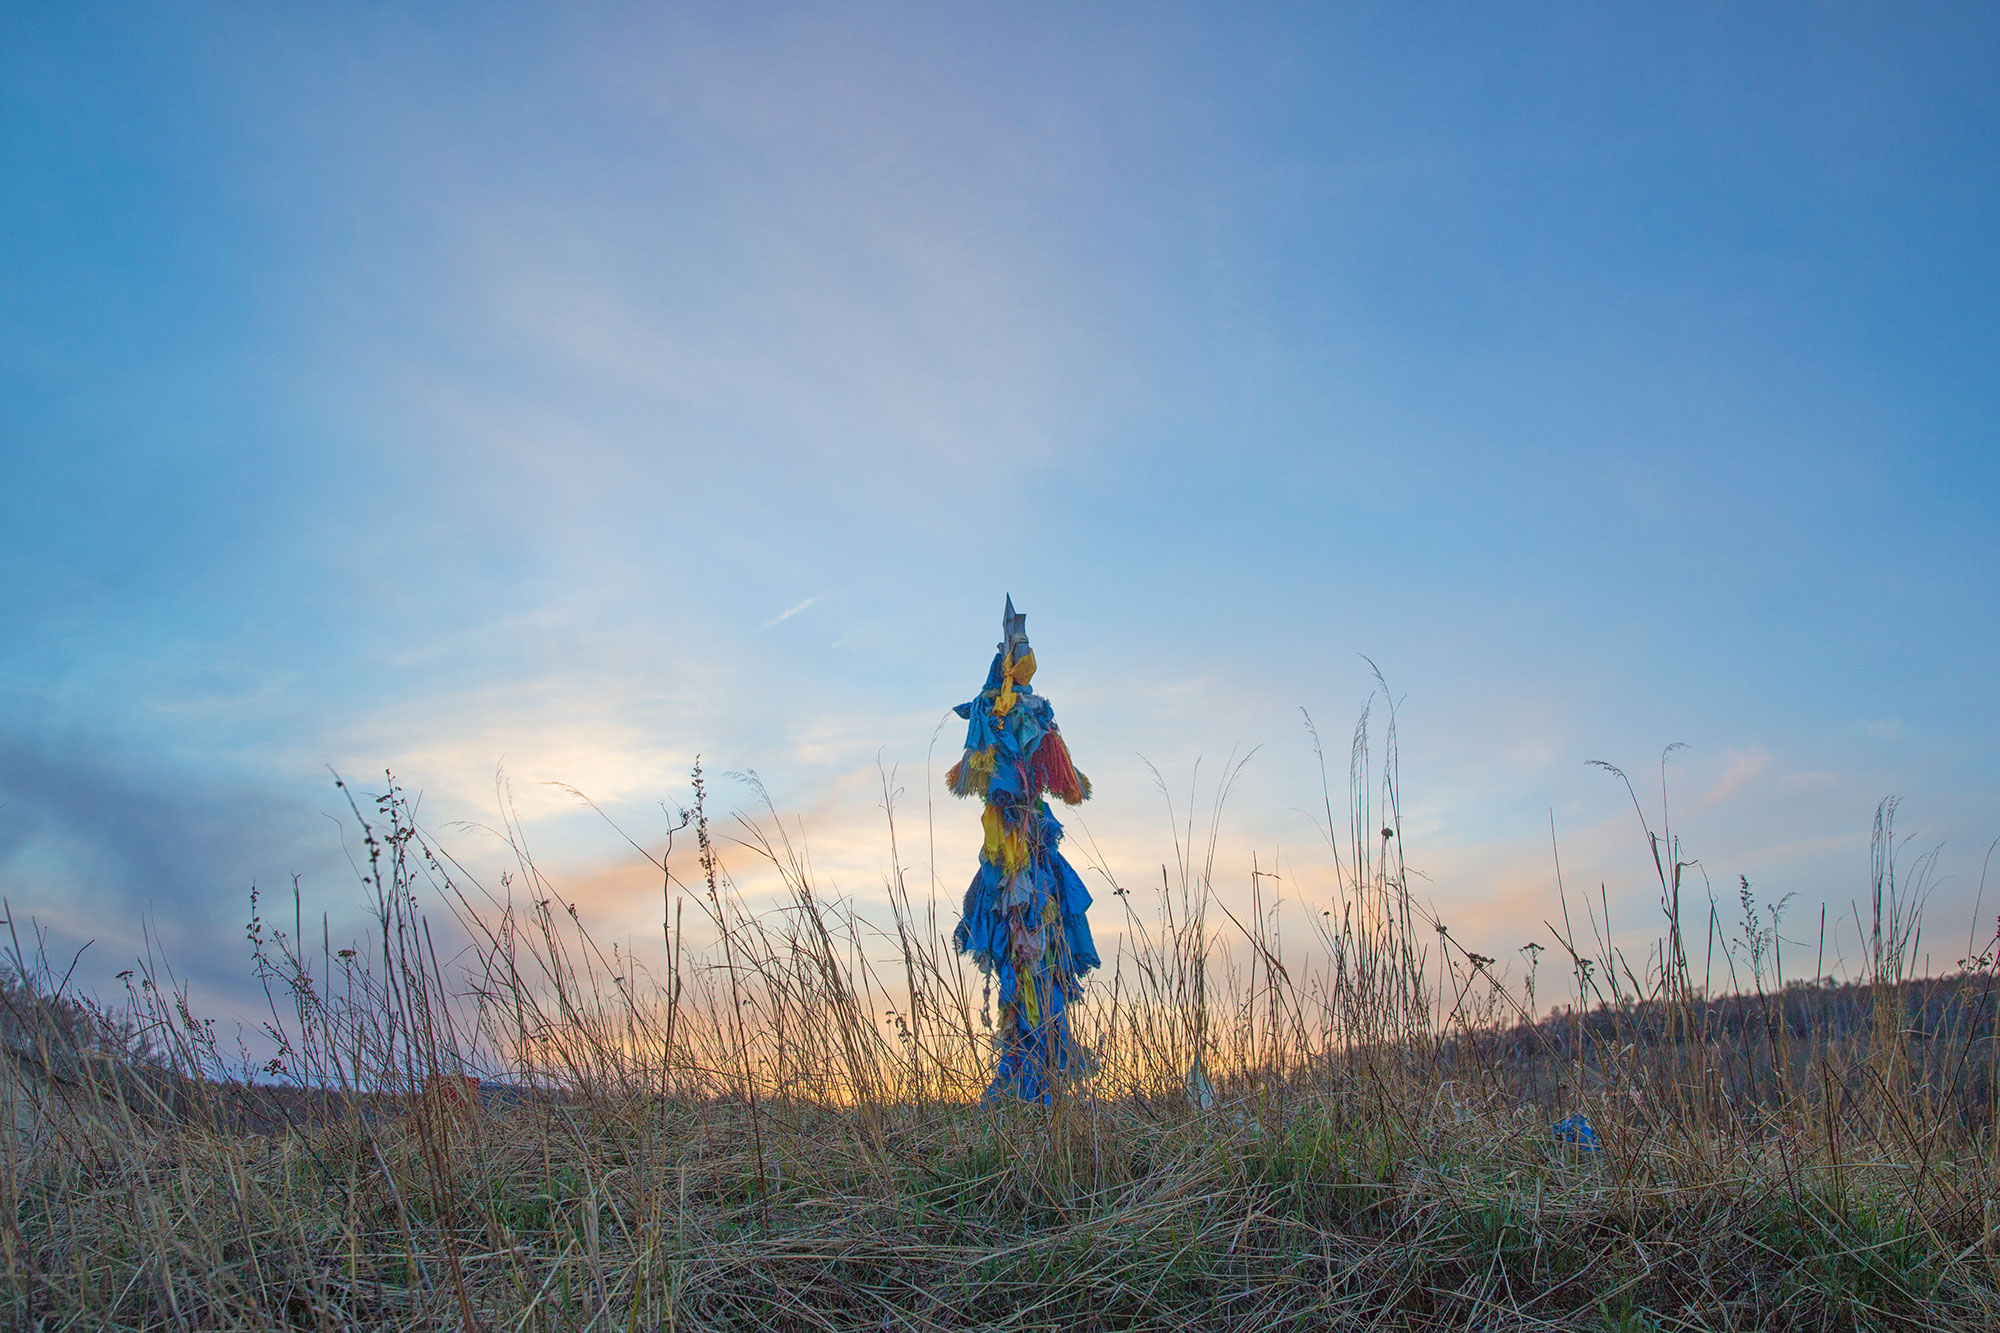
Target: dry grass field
(781,1130)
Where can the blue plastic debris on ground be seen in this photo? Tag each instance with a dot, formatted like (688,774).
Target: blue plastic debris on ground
(1577,1131)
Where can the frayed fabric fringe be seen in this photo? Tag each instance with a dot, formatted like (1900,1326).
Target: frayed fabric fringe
(971,774)
(1050,770)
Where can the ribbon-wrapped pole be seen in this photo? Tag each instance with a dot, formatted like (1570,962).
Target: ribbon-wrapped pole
(1024,917)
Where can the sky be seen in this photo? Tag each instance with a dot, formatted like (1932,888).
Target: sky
(517,395)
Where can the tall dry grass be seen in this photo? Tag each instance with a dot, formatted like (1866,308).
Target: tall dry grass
(777,1127)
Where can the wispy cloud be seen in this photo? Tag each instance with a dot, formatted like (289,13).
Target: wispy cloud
(1745,767)
(787,614)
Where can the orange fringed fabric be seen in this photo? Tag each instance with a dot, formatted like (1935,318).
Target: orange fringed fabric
(1050,770)
(971,774)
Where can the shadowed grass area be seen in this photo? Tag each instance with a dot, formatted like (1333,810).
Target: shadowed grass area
(779,1131)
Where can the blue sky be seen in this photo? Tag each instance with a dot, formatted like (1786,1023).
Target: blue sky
(578,389)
